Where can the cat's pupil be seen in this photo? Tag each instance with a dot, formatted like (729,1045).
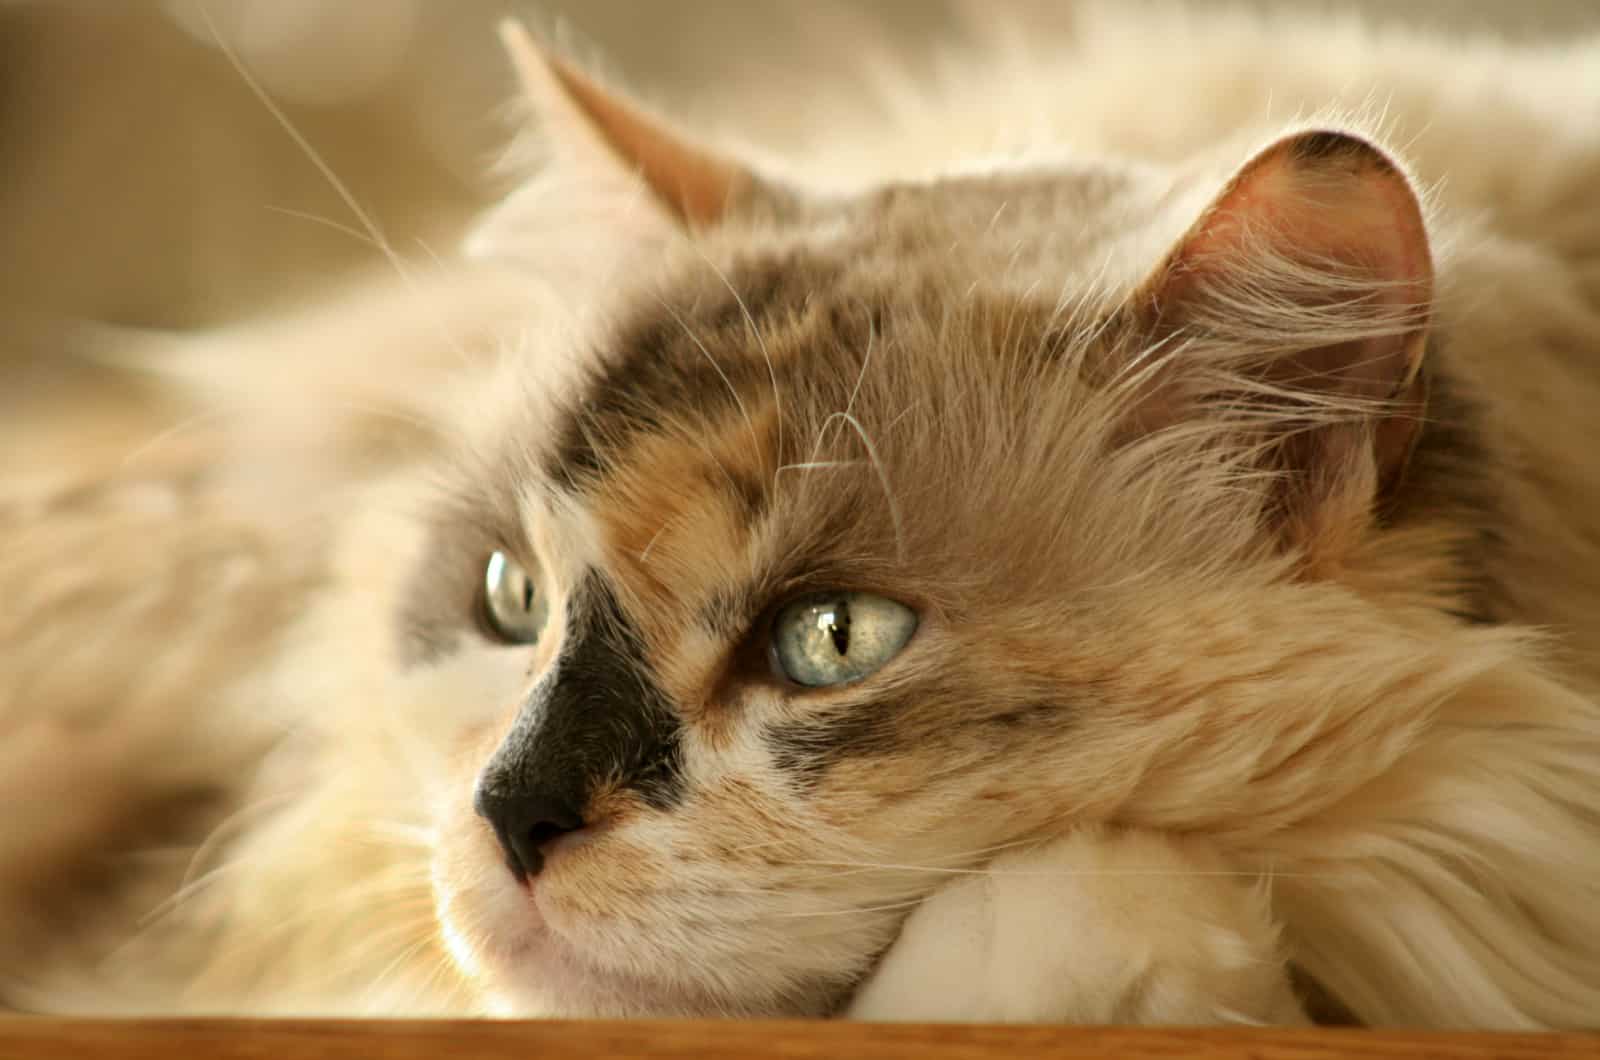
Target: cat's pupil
(527,594)
(814,642)
(837,622)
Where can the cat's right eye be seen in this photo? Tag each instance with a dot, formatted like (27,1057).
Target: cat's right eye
(513,607)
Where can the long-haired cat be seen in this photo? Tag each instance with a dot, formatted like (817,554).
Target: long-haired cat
(1117,539)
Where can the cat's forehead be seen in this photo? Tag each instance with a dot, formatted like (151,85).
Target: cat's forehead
(1029,219)
(783,404)
(763,317)
(702,427)
(821,402)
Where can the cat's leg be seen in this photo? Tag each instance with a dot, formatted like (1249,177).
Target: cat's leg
(1099,927)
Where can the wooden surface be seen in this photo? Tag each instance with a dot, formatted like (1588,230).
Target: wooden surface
(341,1040)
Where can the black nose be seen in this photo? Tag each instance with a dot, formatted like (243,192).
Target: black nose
(524,823)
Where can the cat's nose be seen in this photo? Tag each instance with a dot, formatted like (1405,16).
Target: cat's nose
(524,822)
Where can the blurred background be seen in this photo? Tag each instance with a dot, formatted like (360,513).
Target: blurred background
(146,184)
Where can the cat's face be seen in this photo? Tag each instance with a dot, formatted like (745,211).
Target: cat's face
(863,549)
(796,648)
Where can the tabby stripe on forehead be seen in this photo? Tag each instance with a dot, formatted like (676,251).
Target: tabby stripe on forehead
(708,359)
(656,373)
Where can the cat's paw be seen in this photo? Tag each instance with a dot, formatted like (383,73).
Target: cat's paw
(1099,927)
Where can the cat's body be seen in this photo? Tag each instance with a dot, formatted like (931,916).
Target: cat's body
(1194,648)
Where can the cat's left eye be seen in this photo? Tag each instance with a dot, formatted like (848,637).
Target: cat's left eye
(836,638)
(513,606)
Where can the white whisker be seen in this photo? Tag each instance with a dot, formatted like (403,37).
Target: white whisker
(755,439)
(883,477)
(816,465)
(860,910)
(311,153)
(644,556)
(862,867)
(327,222)
(374,233)
(772,372)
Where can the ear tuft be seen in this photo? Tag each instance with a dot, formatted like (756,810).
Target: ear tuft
(1329,203)
(693,183)
(609,139)
(615,181)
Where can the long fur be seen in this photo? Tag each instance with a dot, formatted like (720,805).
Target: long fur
(1381,736)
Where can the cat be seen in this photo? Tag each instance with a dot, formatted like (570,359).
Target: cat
(1115,542)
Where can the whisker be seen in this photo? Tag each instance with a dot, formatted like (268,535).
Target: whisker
(814,465)
(772,372)
(907,903)
(229,826)
(883,477)
(644,555)
(294,133)
(861,375)
(193,881)
(1067,873)
(398,965)
(326,222)
(755,440)
(375,234)
(422,942)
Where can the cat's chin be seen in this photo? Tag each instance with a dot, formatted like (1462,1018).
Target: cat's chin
(499,938)
(523,968)
(539,976)
(572,943)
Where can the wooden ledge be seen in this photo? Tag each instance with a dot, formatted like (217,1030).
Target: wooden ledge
(47,1038)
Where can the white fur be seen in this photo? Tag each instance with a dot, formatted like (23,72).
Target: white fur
(1093,928)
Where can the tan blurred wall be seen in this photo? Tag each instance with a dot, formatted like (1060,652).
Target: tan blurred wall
(144,183)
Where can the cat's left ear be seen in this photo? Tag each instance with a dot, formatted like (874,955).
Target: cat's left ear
(612,169)
(1309,277)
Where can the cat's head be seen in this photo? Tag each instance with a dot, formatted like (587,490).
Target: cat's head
(876,532)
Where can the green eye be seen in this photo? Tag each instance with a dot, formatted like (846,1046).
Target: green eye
(836,638)
(512,603)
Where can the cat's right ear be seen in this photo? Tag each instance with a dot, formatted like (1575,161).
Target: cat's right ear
(612,171)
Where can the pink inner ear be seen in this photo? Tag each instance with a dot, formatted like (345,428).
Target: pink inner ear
(611,141)
(696,184)
(1318,200)
(1312,268)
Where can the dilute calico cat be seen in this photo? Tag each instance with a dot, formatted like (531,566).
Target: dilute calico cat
(1112,537)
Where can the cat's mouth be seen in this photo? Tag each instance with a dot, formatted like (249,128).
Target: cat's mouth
(588,937)
(507,938)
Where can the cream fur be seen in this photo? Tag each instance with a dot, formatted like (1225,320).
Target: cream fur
(1091,929)
(1327,770)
